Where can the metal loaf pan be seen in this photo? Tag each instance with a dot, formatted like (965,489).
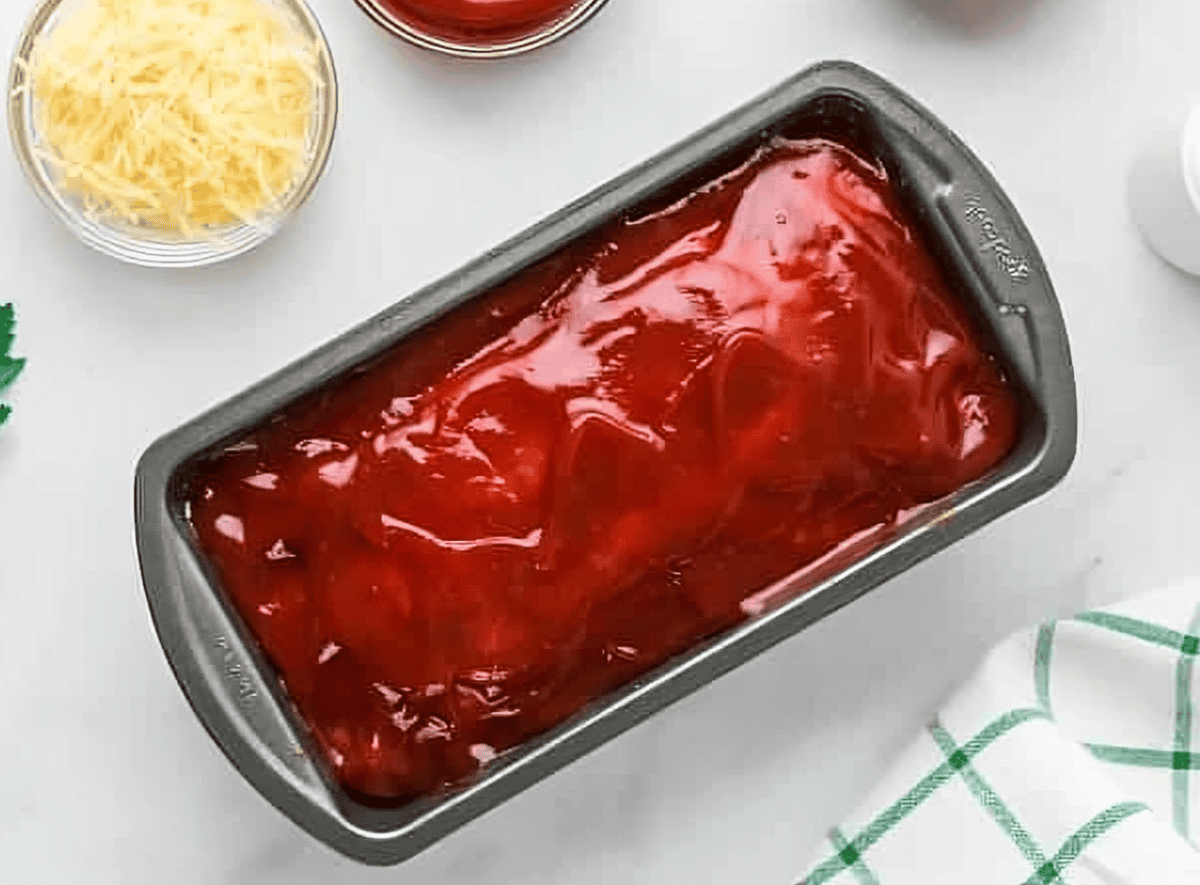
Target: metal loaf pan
(988,260)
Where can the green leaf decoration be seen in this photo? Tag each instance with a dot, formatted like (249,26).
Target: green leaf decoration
(7,321)
(10,367)
(9,370)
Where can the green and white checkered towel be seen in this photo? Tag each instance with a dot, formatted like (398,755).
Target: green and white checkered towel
(1067,758)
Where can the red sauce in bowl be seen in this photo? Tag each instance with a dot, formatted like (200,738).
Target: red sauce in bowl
(479,21)
(565,481)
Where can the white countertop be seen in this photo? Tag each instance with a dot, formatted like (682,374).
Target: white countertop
(105,774)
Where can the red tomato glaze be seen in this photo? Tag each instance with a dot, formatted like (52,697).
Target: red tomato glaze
(472,21)
(564,482)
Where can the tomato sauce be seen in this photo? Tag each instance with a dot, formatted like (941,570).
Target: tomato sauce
(560,484)
(476,21)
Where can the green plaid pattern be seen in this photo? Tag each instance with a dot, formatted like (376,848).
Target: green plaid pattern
(1076,765)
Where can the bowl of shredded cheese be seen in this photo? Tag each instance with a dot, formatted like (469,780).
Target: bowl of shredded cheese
(172,132)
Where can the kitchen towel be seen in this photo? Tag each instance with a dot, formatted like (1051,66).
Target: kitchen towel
(1071,756)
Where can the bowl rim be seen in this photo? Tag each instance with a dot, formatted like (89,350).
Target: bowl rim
(579,14)
(182,252)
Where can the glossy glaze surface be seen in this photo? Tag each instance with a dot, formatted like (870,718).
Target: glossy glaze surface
(562,483)
(479,21)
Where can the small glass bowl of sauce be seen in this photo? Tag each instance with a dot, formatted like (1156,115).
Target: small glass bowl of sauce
(480,28)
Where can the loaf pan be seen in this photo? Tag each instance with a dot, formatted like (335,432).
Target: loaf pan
(989,262)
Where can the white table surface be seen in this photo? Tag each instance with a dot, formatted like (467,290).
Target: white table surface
(106,776)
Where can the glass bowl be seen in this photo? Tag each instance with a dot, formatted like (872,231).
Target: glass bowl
(143,244)
(496,47)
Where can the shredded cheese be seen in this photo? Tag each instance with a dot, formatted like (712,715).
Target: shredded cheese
(175,114)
